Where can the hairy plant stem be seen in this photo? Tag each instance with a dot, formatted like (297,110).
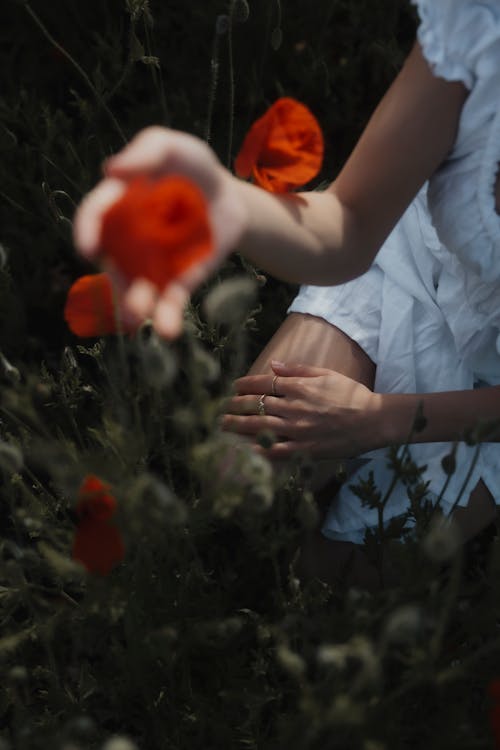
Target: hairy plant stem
(446,482)
(214,80)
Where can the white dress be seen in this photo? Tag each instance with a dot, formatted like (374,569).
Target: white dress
(428,311)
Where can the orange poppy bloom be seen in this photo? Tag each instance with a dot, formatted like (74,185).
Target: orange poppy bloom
(283,150)
(157,229)
(89,309)
(98,544)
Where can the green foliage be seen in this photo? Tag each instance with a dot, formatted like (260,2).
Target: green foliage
(205,636)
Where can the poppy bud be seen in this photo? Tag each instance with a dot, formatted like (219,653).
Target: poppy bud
(241,11)
(449,464)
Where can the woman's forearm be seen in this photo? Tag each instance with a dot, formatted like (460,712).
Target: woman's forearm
(306,238)
(449,415)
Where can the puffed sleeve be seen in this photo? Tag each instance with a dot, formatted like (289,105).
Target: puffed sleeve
(460,39)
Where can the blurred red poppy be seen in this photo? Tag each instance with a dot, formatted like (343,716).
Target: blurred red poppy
(283,150)
(494,692)
(98,544)
(89,309)
(157,229)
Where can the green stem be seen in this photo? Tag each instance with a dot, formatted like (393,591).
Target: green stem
(212,91)
(446,483)
(62,172)
(156,74)
(231,85)
(278,8)
(78,68)
(467,478)
(16,205)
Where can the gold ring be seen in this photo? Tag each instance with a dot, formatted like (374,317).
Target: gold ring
(261,410)
(273,385)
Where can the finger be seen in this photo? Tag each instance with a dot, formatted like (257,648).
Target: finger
(245,405)
(242,405)
(143,153)
(169,313)
(291,387)
(252,425)
(140,299)
(256,384)
(286,450)
(296,370)
(88,217)
(157,150)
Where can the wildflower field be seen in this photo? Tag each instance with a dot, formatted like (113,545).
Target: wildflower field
(149,597)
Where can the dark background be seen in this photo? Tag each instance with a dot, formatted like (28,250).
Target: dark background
(135,63)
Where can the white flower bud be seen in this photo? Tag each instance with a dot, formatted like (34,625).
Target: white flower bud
(11,458)
(404,624)
(229,302)
(290,661)
(276,38)
(443,540)
(119,743)
(159,363)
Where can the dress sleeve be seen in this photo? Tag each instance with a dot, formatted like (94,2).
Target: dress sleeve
(460,39)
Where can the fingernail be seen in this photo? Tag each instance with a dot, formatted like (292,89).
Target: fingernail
(277,363)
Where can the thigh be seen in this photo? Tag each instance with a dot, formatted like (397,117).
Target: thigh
(309,340)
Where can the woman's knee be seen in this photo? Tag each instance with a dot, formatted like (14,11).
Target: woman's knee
(310,340)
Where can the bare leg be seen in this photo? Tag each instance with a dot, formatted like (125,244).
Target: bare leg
(308,340)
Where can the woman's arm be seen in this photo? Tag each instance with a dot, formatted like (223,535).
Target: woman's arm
(320,238)
(331,237)
(449,415)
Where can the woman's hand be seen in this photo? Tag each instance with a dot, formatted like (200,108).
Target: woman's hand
(313,410)
(157,152)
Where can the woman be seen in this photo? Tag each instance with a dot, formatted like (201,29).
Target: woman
(439,123)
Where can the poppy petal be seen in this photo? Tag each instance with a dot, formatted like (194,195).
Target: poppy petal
(157,229)
(89,309)
(283,149)
(98,546)
(95,501)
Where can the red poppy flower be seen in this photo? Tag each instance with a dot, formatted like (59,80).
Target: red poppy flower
(494,693)
(98,544)
(157,229)
(95,501)
(89,309)
(284,149)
